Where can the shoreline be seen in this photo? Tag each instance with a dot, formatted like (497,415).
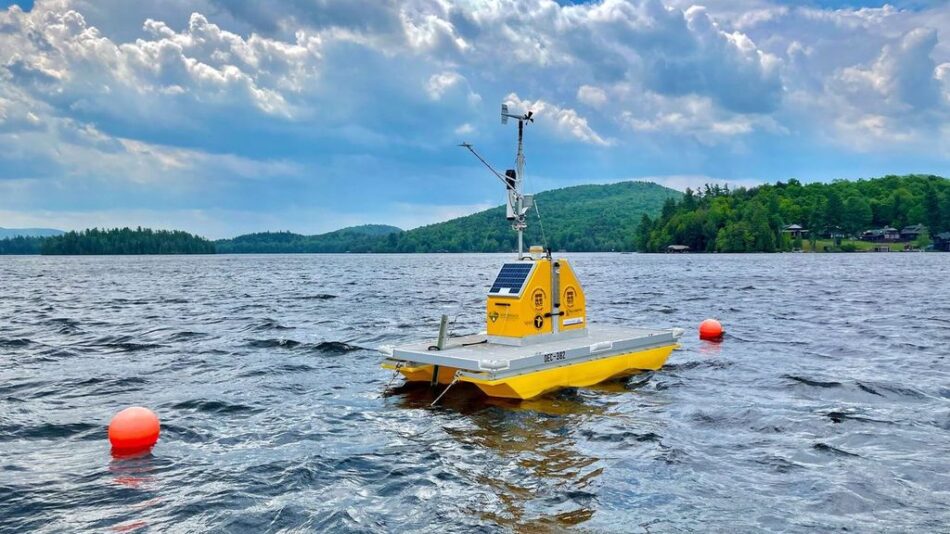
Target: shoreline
(700,253)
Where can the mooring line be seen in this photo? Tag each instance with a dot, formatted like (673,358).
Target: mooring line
(455,379)
(393,379)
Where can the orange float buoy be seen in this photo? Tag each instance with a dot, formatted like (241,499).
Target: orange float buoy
(710,330)
(133,430)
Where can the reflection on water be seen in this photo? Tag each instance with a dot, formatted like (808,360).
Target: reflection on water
(539,479)
(828,396)
(133,471)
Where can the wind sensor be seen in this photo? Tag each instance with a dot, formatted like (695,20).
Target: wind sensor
(518,202)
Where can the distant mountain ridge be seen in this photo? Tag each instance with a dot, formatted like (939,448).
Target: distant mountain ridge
(6,233)
(592,218)
(578,218)
(342,240)
(621,216)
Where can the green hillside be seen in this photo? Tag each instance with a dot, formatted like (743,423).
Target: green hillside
(753,220)
(579,218)
(623,216)
(349,239)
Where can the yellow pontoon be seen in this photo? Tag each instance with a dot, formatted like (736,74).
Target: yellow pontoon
(537,336)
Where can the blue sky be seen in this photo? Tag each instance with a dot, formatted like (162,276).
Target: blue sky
(224,117)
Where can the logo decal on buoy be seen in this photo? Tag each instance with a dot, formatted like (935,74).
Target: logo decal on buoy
(493,316)
(538,322)
(569,297)
(538,297)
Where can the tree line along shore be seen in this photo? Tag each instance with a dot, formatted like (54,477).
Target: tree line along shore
(789,216)
(840,216)
(116,241)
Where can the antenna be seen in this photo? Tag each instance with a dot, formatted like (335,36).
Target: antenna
(516,200)
(518,204)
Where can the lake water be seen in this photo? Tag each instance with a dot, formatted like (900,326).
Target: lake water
(826,407)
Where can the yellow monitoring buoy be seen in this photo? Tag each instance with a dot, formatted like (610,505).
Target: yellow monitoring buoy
(538,337)
(133,430)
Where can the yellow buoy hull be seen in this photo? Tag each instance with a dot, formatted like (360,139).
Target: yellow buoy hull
(534,383)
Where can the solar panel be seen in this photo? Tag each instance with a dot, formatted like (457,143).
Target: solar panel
(511,278)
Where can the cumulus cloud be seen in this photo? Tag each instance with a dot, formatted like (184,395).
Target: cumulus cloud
(866,78)
(895,98)
(905,72)
(59,58)
(440,83)
(943,76)
(203,94)
(444,82)
(690,116)
(566,121)
(592,96)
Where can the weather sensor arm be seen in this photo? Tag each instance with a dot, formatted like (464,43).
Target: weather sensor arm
(518,203)
(490,168)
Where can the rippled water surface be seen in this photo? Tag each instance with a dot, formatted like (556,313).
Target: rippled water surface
(828,404)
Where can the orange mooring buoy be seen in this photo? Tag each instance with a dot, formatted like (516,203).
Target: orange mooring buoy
(710,330)
(133,430)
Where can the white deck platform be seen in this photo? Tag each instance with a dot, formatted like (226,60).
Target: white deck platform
(473,353)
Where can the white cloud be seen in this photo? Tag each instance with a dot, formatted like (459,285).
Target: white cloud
(943,75)
(66,163)
(904,74)
(688,116)
(443,84)
(56,57)
(195,96)
(896,99)
(565,121)
(439,83)
(594,97)
(743,61)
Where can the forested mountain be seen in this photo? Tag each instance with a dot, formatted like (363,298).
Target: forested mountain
(584,217)
(355,238)
(126,241)
(579,218)
(623,216)
(752,220)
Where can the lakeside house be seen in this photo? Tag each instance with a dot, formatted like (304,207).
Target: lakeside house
(912,232)
(942,241)
(795,231)
(678,249)
(883,234)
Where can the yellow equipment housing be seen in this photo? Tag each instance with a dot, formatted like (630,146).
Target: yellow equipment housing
(550,301)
